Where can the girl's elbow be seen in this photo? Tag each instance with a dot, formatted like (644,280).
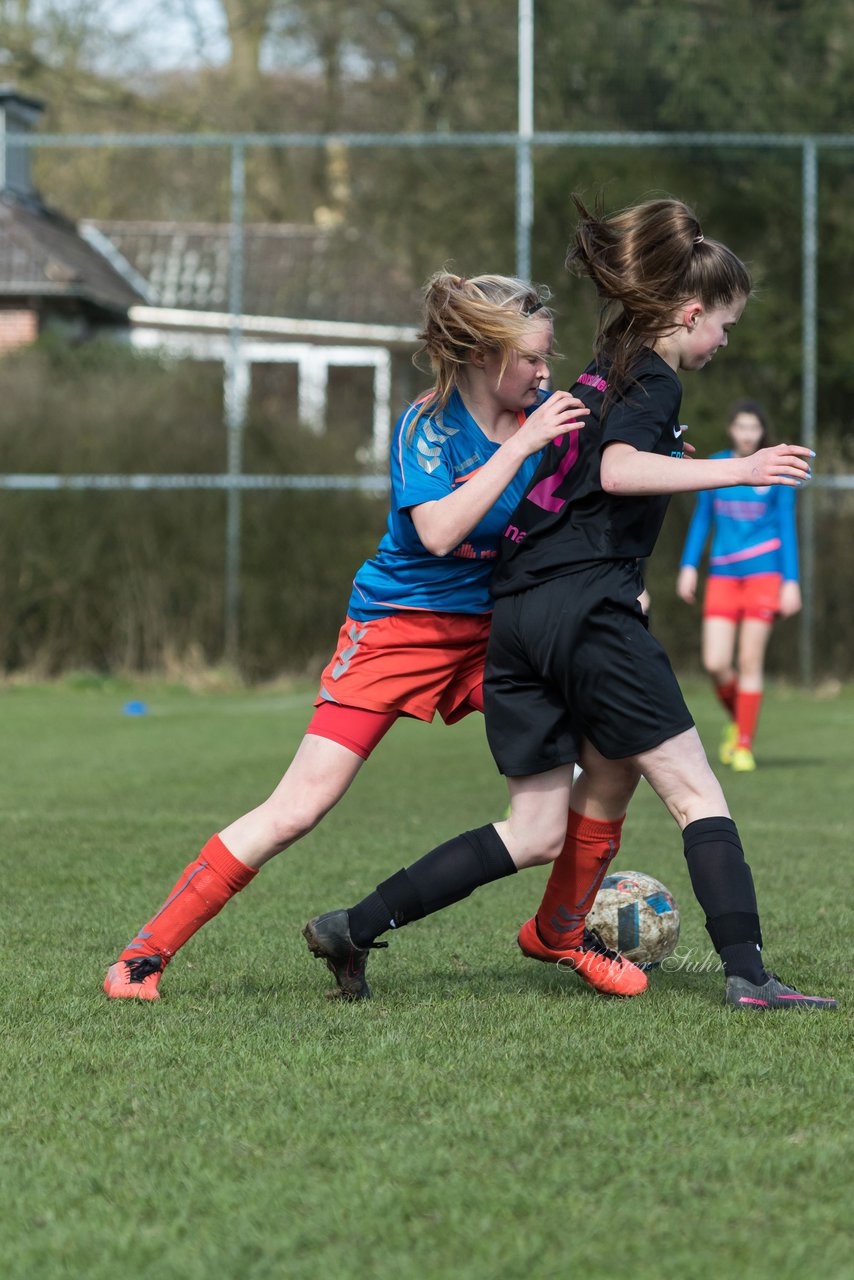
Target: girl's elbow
(435,544)
(609,478)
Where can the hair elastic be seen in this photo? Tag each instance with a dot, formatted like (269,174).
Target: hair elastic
(699,239)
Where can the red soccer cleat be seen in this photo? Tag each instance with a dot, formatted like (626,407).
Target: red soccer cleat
(604,970)
(135,979)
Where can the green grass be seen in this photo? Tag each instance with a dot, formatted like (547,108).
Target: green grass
(484,1117)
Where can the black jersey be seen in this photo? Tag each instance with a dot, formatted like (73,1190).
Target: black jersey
(566,521)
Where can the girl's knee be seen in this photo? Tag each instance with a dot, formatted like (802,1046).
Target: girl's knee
(287,825)
(608,783)
(539,849)
(750,671)
(619,778)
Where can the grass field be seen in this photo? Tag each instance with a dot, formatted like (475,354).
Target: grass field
(484,1117)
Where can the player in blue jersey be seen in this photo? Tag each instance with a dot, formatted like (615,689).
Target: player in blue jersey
(415,636)
(753,578)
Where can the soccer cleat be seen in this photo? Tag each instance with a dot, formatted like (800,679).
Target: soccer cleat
(134,979)
(729,742)
(743,760)
(328,938)
(604,970)
(773,994)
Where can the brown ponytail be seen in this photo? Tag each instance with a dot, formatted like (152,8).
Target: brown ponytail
(645,261)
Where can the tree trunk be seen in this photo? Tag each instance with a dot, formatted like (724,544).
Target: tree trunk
(247,26)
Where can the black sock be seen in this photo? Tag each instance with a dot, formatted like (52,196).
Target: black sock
(744,960)
(723,887)
(447,874)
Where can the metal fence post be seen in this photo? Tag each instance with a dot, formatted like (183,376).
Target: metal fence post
(524,153)
(809,389)
(235,396)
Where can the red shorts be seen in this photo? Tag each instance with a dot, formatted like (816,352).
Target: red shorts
(736,598)
(414,664)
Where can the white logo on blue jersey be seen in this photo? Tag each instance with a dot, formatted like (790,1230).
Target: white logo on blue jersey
(428,458)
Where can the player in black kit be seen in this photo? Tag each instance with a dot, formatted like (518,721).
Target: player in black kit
(572,672)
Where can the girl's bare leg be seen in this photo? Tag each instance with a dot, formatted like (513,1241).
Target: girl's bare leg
(680,774)
(719,649)
(316,779)
(752,644)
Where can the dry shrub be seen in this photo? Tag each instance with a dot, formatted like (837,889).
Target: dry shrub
(133,581)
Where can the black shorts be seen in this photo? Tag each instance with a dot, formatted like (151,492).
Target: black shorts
(574,659)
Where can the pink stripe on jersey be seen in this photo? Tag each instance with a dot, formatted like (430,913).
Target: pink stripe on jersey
(423,608)
(749,553)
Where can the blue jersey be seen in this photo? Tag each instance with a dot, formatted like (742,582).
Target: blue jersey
(753,531)
(446,449)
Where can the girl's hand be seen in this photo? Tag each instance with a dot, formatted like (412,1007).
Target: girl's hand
(686,584)
(780,464)
(554,417)
(790,599)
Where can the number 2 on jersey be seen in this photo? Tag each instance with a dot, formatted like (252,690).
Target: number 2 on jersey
(543,494)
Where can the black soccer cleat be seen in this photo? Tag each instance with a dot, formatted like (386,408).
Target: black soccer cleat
(328,938)
(773,994)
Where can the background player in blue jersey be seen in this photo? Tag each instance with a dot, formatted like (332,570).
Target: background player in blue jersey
(753,577)
(415,637)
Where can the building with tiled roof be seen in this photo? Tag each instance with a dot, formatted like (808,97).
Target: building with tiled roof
(48,273)
(312,296)
(318,297)
(304,272)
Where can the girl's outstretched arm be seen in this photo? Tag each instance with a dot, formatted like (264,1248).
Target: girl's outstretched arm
(632,472)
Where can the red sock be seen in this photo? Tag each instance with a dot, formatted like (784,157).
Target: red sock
(746,715)
(576,875)
(202,890)
(727,694)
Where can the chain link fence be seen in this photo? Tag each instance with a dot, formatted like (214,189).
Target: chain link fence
(525,150)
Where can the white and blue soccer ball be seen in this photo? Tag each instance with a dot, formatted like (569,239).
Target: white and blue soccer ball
(637,916)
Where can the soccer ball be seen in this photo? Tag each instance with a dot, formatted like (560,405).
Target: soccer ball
(635,915)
